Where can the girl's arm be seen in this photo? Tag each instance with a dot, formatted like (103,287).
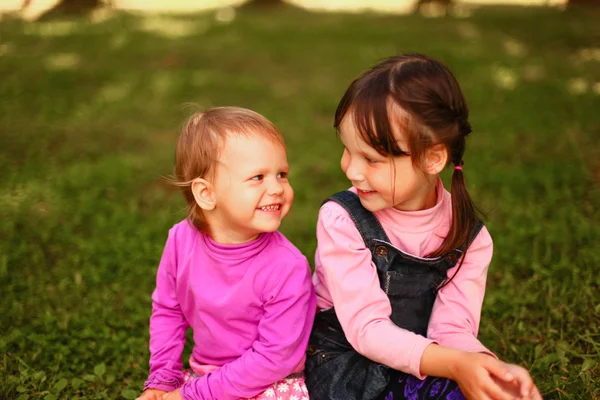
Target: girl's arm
(167,325)
(343,264)
(454,325)
(478,375)
(457,309)
(289,309)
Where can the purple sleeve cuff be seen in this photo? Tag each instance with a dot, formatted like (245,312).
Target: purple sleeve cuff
(164,380)
(197,389)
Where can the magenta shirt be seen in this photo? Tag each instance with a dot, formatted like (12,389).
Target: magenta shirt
(251,307)
(345,277)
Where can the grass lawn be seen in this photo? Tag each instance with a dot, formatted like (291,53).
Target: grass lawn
(90,112)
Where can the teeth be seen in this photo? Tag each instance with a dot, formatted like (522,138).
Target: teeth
(272,207)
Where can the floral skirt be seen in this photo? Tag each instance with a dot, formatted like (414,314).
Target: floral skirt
(409,387)
(290,388)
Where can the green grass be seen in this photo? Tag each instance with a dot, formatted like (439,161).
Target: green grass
(89,115)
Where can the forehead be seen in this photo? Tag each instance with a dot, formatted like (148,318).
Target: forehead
(351,134)
(238,142)
(251,150)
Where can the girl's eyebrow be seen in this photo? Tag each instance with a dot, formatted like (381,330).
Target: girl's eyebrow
(266,170)
(256,171)
(369,151)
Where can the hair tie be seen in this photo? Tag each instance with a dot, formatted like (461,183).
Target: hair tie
(459,167)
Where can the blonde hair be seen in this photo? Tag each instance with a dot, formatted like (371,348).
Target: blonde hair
(201,142)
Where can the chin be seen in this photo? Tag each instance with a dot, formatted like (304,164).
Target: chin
(270,228)
(370,206)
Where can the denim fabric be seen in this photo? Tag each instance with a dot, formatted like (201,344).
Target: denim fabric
(334,370)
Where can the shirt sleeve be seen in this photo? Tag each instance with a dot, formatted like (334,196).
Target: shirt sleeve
(457,309)
(283,332)
(344,265)
(168,326)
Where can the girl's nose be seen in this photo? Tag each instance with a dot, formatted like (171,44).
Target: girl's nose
(353,173)
(275,188)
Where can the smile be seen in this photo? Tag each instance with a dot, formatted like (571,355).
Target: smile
(364,193)
(270,207)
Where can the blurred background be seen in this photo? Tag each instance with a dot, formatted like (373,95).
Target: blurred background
(93,94)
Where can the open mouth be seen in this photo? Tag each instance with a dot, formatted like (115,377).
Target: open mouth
(360,191)
(270,207)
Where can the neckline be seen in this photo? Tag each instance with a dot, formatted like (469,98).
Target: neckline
(236,251)
(417,221)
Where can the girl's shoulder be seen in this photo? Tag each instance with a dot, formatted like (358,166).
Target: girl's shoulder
(330,210)
(333,211)
(182,235)
(282,246)
(280,262)
(183,229)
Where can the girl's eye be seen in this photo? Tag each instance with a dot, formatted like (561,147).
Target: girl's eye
(370,160)
(282,175)
(258,178)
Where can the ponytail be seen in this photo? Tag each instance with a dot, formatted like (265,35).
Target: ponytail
(464,219)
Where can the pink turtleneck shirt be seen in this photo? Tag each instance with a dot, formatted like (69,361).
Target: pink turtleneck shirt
(251,307)
(345,277)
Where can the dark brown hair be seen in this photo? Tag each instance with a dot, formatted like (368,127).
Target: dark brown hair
(201,143)
(423,98)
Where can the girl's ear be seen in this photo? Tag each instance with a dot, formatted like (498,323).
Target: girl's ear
(436,159)
(204,194)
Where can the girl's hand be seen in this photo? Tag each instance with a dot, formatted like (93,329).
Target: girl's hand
(482,377)
(522,387)
(151,394)
(174,395)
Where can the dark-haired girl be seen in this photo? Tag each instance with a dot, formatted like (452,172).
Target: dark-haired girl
(401,264)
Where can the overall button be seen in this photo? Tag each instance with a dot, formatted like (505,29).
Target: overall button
(451,257)
(381,251)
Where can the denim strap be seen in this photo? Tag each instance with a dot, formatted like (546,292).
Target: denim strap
(367,224)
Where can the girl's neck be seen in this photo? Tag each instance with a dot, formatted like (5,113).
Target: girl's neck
(425,197)
(231,237)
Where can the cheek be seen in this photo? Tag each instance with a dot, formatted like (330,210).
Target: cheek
(345,161)
(382,177)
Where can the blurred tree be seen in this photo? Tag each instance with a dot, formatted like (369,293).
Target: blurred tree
(576,3)
(69,8)
(264,3)
(430,7)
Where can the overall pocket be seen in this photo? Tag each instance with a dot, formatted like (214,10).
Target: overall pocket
(344,376)
(411,296)
(334,370)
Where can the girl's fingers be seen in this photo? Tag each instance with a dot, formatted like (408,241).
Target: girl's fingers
(526,387)
(492,390)
(499,370)
(495,392)
(481,396)
(535,394)
(524,380)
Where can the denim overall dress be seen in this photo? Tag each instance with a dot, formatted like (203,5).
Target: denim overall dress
(334,370)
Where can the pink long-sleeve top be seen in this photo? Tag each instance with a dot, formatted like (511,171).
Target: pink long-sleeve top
(251,308)
(345,277)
